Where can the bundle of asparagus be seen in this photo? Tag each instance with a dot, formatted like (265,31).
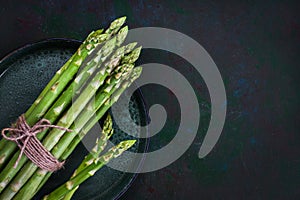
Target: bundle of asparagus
(106,70)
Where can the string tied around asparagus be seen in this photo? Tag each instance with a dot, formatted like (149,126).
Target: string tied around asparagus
(25,137)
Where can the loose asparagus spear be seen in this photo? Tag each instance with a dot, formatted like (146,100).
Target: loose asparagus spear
(38,180)
(65,73)
(90,170)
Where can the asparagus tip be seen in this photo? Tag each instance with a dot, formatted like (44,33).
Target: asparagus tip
(122,35)
(124,145)
(95,36)
(130,46)
(107,126)
(108,118)
(122,20)
(99,31)
(132,56)
(115,25)
(137,71)
(124,29)
(135,54)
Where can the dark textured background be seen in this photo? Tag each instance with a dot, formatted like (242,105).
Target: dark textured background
(255,44)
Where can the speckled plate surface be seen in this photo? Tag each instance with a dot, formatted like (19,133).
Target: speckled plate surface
(24,73)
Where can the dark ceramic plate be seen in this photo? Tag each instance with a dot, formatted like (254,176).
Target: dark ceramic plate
(24,73)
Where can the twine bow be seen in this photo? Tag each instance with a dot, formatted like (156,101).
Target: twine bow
(25,137)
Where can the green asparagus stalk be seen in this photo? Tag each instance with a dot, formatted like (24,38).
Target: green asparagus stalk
(41,176)
(90,170)
(51,90)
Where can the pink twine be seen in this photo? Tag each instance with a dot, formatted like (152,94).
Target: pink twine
(25,137)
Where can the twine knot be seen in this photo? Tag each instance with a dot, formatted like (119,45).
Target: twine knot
(25,137)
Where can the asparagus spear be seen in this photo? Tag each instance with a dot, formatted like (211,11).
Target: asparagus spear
(65,73)
(90,170)
(38,180)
